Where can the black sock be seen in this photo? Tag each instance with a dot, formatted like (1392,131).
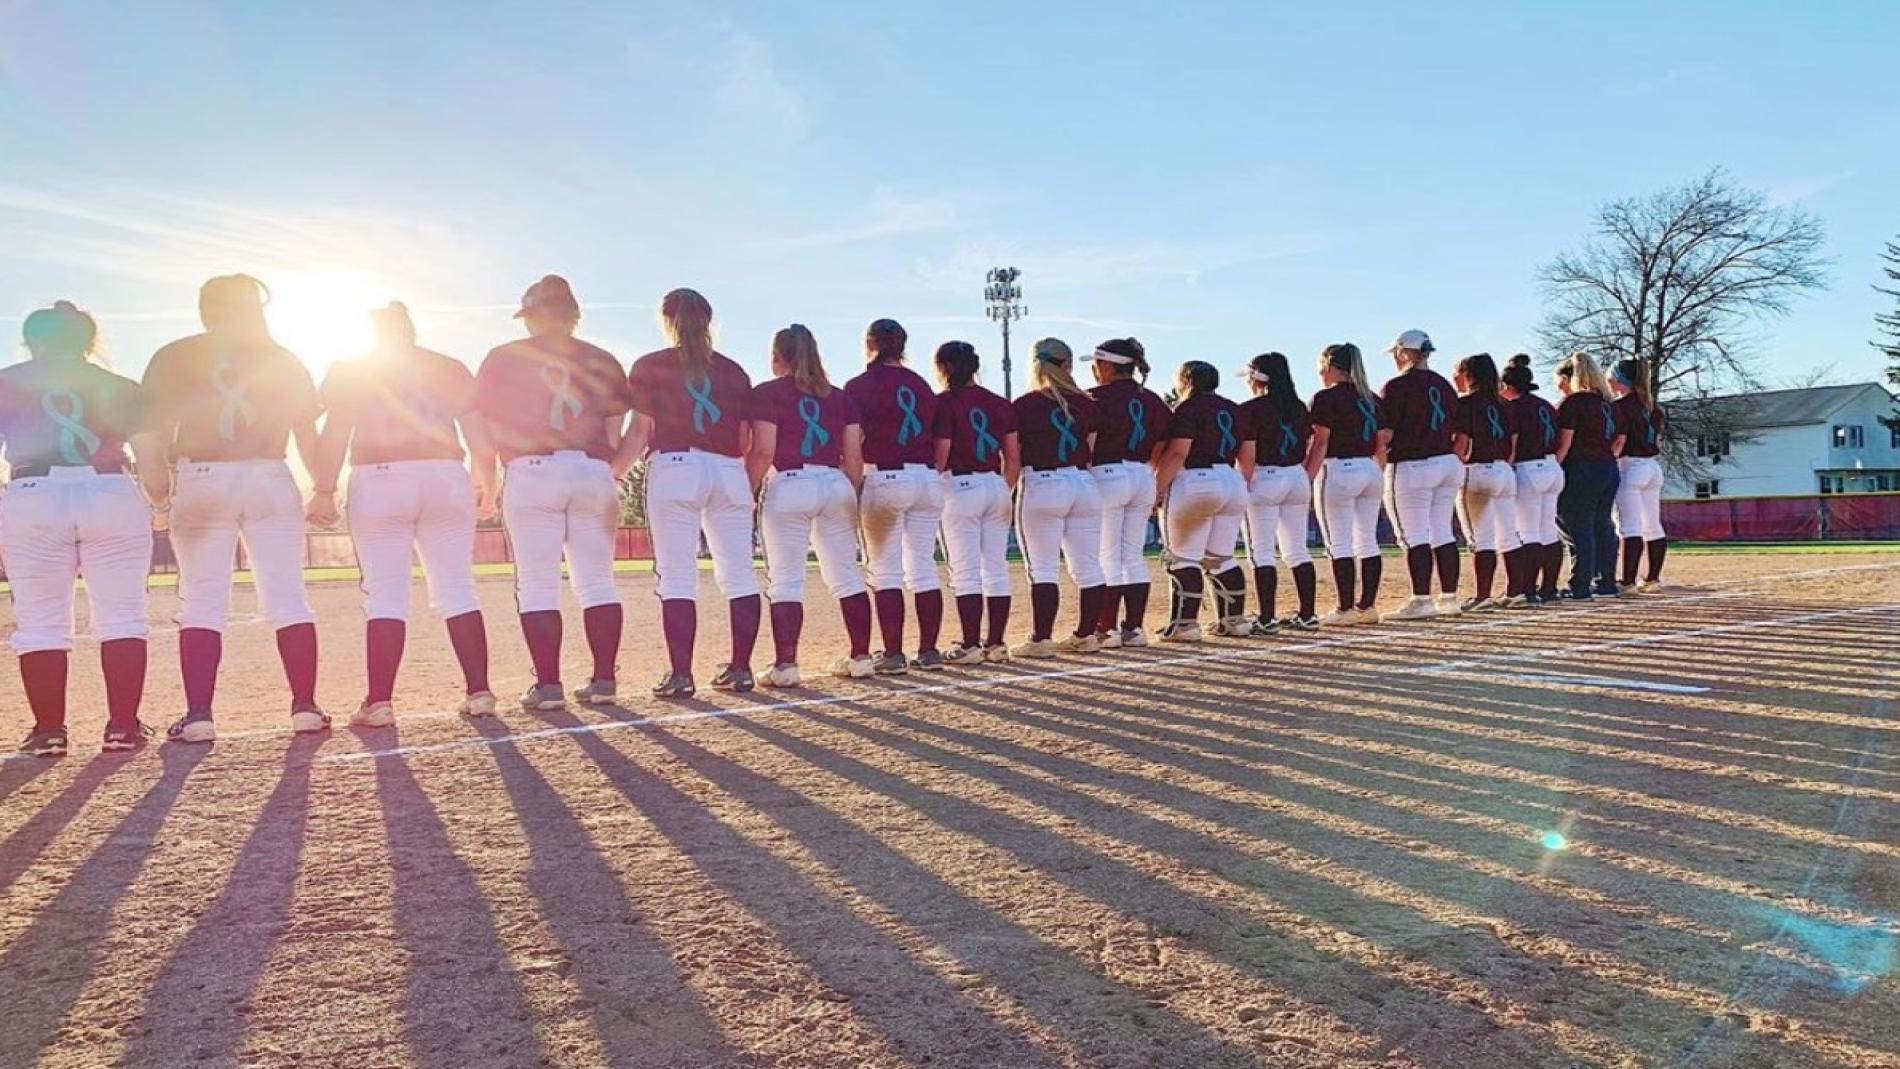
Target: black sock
(1484,562)
(1091,600)
(1446,557)
(1134,605)
(970,617)
(1266,589)
(1632,559)
(1043,602)
(1418,563)
(1371,572)
(1306,587)
(1346,578)
(1658,549)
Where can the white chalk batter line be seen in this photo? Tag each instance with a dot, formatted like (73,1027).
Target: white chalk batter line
(1018,679)
(1606,681)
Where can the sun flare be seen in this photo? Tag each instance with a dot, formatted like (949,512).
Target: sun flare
(322,314)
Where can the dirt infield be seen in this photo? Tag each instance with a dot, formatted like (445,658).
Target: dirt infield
(1659,832)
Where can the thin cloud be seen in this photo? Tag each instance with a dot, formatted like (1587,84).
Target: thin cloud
(889,214)
(1094,267)
(748,83)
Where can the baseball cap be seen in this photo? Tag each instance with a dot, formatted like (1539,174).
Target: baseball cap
(1412,339)
(551,294)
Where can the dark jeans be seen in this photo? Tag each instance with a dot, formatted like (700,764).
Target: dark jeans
(1583,518)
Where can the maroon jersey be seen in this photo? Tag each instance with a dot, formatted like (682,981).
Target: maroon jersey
(1352,420)
(1131,421)
(810,429)
(1486,420)
(229,400)
(897,408)
(68,413)
(1418,410)
(975,421)
(1279,441)
(1642,427)
(402,406)
(1052,438)
(1535,424)
(1592,423)
(546,395)
(1213,424)
(705,410)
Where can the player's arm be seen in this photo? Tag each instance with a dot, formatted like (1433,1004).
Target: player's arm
(854,455)
(1617,444)
(326,467)
(633,445)
(1248,459)
(943,455)
(1564,437)
(1381,442)
(1012,458)
(481,463)
(1316,450)
(1170,459)
(758,458)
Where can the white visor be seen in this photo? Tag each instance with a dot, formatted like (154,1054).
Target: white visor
(1107,357)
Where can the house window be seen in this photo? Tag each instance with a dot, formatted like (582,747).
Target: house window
(1712,446)
(1849,436)
(1883,482)
(1893,436)
(1830,484)
(1709,488)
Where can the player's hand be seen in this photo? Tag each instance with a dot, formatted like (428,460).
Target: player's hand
(322,510)
(162,519)
(487,503)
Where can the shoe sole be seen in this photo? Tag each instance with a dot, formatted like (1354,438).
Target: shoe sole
(612,700)
(46,751)
(195,734)
(308,727)
(543,707)
(372,722)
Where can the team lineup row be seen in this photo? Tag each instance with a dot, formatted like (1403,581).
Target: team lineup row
(871,477)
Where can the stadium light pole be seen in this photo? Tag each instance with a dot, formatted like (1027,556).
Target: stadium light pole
(1004,298)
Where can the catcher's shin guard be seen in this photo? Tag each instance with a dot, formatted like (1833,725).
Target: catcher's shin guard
(1185,584)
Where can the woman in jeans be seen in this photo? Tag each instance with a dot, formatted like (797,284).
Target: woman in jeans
(1588,444)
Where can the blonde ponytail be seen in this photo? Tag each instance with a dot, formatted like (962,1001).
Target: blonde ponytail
(796,347)
(687,318)
(1051,372)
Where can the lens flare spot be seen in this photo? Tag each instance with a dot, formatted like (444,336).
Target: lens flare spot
(1555,840)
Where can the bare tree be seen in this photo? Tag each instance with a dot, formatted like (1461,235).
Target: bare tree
(1674,279)
(1889,323)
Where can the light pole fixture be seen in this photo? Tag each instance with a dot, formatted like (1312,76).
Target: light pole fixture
(1005,304)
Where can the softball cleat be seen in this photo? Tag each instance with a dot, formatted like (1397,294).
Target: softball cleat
(1299,623)
(125,738)
(598,692)
(50,743)
(928,660)
(1340,618)
(1035,648)
(1108,640)
(478,705)
(192,727)
(891,663)
(734,678)
(963,656)
(1134,638)
(674,685)
(543,698)
(1448,604)
(997,654)
(1513,601)
(374,715)
(782,675)
(1417,607)
(1475,604)
(1233,627)
(854,667)
(1078,644)
(1368,616)
(1263,627)
(1182,632)
(307,719)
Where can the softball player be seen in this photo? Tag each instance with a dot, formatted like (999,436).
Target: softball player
(1487,508)
(1058,509)
(1280,494)
(1131,422)
(902,503)
(980,456)
(806,432)
(554,407)
(1205,466)
(1588,443)
(1423,476)
(1540,479)
(71,509)
(1345,461)
(690,404)
(224,405)
(395,413)
(1639,493)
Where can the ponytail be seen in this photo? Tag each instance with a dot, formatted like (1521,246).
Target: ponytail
(1584,374)
(884,342)
(687,319)
(1518,375)
(1272,371)
(232,306)
(1124,353)
(1197,377)
(1051,372)
(1635,375)
(1345,356)
(1482,372)
(61,332)
(799,350)
(956,364)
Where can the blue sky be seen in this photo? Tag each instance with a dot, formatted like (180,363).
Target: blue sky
(1215,179)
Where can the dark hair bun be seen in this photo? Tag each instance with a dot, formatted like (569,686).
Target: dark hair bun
(1521,360)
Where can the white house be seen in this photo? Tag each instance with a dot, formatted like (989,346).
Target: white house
(1820,440)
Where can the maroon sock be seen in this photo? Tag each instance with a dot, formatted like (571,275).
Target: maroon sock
(1658,549)
(1632,559)
(1512,560)
(929,619)
(297,648)
(1044,598)
(1418,563)
(1346,578)
(1371,574)
(122,660)
(1446,556)
(542,631)
(1106,619)
(745,628)
(970,618)
(679,619)
(603,624)
(1090,600)
(1484,564)
(199,651)
(857,623)
(1134,606)
(890,619)
(382,649)
(1266,587)
(999,619)
(43,672)
(788,619)
(1306,587)
(468,633)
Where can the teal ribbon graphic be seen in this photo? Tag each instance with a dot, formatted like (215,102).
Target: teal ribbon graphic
(912,426)
(235,405)
(986,442)
(815,435)
(704,410)
(72,433)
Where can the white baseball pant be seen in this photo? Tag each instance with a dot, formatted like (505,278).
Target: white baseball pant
(900,512)
(213,506)
(1278,501)
(1127,491)
(1347,490)
(692,493)
(976,534)
(1206,508)
(1059,516)
(1488,506)
(803,509)
(1539,482)
(1420,498)
(410,508)
(554,503)
(1639,498)
(75,522)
